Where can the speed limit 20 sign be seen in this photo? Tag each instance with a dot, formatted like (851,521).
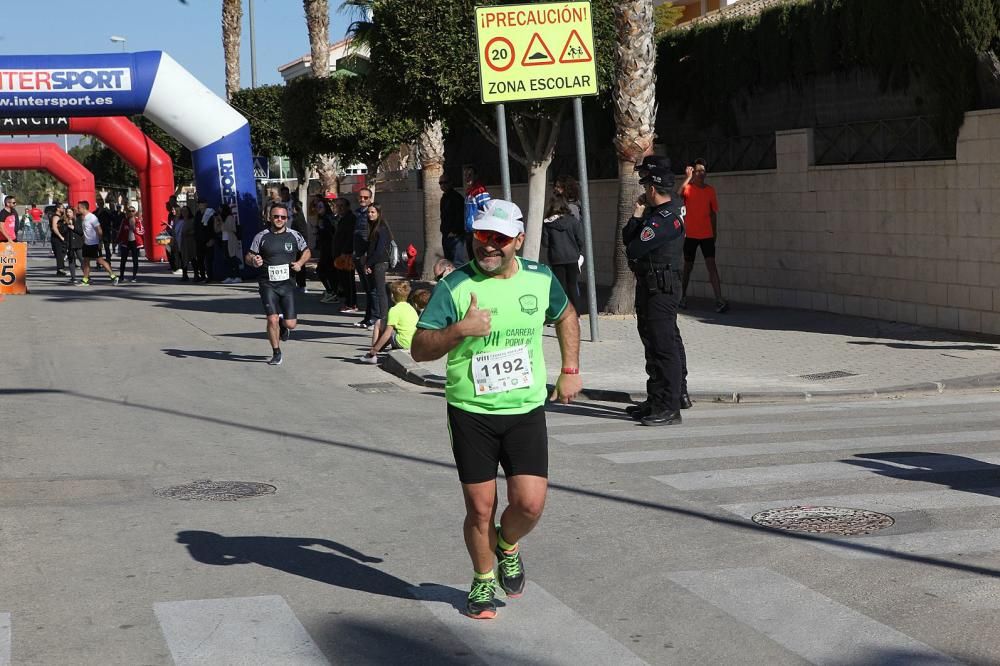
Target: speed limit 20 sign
(13,265)
(536,51)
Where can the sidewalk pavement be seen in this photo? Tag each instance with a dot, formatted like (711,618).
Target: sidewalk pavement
(757,353)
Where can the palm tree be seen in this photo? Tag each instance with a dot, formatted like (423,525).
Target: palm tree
(318,24)
(232,27)
(430,146)
(634,97)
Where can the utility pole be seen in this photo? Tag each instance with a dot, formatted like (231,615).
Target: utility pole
(253,49)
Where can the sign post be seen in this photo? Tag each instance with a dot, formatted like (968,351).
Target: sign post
(534,52)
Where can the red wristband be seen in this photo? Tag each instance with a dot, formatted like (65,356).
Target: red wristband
(571,371)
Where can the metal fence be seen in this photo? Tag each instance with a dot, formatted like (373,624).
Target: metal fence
(739,153)
(895,140)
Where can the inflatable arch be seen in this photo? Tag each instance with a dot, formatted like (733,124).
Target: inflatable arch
(151,83)
(152,163)
(50,157)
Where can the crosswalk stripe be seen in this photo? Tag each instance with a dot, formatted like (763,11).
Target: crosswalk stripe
(801,446)
(927,500)
(985,540)
(246,631)
(5,639)
(536,627)
(976,594)
(797,473)
(811,625)
(720,412)
(636,433)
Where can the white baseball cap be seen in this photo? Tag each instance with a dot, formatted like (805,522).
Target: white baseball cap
(501,216)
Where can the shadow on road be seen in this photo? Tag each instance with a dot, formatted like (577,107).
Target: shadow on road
(445,464)
(420,643)
(956,472)
(910,345)
(214,355)
(298,556)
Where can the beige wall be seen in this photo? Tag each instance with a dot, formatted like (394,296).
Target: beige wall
(915,242)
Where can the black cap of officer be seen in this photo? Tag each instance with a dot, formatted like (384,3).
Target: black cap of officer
(657,175)
(653,160)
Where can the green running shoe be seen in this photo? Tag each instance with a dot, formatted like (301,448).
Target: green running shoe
(510,570)
(482,603)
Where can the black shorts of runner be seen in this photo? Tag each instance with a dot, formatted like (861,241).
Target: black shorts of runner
(691,246)
(91,251)
(278,298)
(517,442)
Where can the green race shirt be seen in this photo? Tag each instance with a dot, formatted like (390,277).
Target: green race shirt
(519,307)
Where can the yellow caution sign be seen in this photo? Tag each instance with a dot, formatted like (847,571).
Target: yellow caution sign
(536,51)
(13,266)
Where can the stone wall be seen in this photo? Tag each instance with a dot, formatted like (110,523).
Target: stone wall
(916,242)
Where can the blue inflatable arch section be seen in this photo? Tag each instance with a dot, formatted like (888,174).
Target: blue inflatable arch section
(155,85)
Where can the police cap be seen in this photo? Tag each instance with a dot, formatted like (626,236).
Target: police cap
(658,175)
(651,161)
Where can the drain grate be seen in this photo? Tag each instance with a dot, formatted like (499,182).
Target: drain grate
(833,374)
(379,387)
(824,520)
(216,491)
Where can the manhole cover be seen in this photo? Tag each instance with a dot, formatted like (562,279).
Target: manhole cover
(216,491)
(823,520)
(833,374)
(379,387)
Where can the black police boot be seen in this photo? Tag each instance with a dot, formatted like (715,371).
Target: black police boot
(638,411)
(665,417)
(686,401)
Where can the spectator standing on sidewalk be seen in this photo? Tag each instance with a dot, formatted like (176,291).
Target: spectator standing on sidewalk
(701,221)
(562,246)
(366,199)
(106,219)
(187,241)
(452,222)
(652,238)
(232,245)
(204,236)
(8,220)
(326,227)
(477,198)
(343,248)
(129,242)
(300,225)
(568,188)
(376,265)
(58,239)
(72,231)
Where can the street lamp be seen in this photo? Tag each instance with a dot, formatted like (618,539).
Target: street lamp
(117,39)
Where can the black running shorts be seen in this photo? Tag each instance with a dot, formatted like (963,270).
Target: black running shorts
(278,298)
(517,442)
(91,251)
(691,246)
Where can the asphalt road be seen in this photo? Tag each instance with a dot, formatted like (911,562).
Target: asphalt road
(646,552)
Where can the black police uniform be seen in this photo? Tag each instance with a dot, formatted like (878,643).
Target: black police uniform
(653,245)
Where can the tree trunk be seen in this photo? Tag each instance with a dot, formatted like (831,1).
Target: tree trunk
(622,300)
(431,145)
(318,24)
(232,26)
(537,183)
(329,174)
(634,95)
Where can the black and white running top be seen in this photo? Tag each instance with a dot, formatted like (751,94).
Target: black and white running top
(278,251)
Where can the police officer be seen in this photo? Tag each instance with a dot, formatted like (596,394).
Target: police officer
(654,240)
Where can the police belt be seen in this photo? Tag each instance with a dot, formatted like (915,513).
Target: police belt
(644,265)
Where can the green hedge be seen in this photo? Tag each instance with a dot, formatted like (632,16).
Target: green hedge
(708,65)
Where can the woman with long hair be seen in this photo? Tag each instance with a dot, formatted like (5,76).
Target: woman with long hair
(129,241)
(187,242)
(562,246)
(326,226)
(376,264)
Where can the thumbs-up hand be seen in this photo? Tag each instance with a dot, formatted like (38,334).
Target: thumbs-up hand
(476,322)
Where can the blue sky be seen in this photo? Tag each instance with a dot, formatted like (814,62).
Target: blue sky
(190,33)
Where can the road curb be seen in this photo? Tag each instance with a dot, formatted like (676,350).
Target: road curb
(402,365)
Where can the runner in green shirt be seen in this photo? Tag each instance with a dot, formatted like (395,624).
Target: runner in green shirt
(488,317)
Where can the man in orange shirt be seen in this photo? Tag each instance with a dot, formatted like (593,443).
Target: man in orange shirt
(701,222)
